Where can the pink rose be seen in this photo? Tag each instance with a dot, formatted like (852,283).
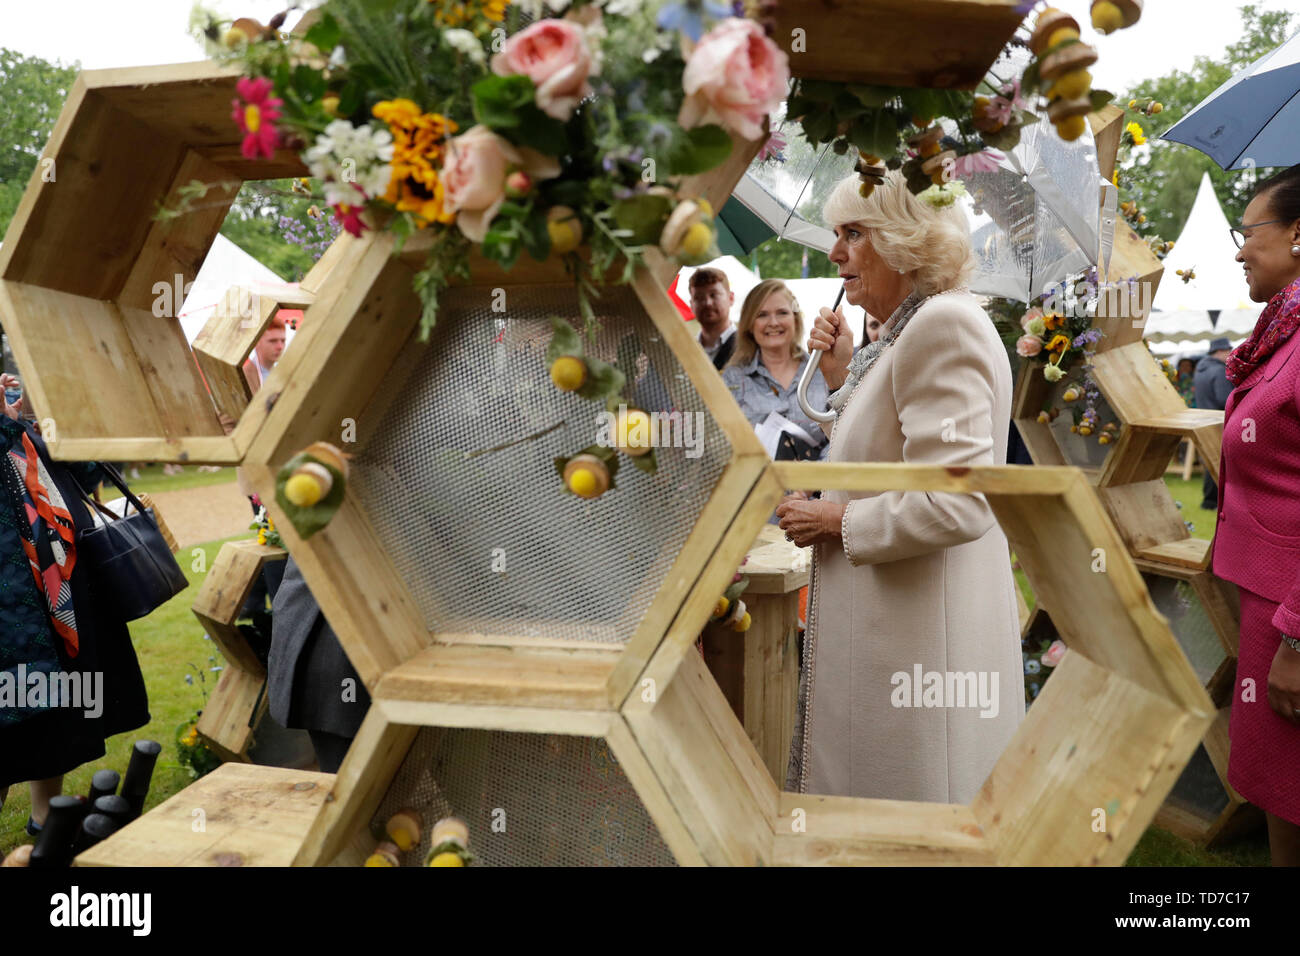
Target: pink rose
(735,76)
(554,55)
(1027,346)
(1034,313)
(474,176)
(1053,654)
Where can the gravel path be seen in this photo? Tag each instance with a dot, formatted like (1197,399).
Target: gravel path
(196,515)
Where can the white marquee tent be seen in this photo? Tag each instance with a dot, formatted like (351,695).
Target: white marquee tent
(226,265)
(1181,321)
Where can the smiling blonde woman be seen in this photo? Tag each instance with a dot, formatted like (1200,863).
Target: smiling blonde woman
(912,681)
(763,373)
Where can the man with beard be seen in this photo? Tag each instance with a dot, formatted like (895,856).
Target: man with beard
(711,301)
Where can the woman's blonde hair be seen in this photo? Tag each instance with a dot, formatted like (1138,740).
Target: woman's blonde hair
(746,346)
(930,244)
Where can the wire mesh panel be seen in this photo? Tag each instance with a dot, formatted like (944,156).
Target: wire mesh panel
(529,799)
(1082,451)
(1178,601)
(460,482)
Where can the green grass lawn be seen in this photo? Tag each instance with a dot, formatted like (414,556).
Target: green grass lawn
(170,644)
(153,480)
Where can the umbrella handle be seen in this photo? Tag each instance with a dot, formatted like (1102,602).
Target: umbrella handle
(805,380)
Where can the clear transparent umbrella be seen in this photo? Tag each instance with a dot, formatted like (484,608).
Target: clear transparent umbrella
(1035,220)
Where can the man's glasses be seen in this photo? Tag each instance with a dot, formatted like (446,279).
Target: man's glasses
(1239,237)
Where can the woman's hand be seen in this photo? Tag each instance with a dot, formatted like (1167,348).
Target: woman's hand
(7,382)
(831,334)
(1284,684)
(808,522)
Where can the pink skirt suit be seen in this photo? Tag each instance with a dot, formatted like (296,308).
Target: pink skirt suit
(1257,546)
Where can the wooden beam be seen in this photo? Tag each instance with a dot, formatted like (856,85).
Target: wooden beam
(707,767)
(929,43)
(851,831)
(363,778)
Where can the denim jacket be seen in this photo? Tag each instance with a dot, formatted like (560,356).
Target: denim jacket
(759,394)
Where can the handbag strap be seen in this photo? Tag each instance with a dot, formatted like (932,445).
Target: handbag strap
(116,478)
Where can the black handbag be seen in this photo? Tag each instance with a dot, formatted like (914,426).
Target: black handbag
(128,562)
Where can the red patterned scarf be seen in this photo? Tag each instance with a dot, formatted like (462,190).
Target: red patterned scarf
(49,540)
(1276,324)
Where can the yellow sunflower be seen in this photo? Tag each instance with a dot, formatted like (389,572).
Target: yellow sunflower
(1135,130)
(1059,343)
(419,143)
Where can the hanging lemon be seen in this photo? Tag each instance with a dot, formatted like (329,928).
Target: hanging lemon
(586,476)
(308,484)
(568,372)
(1106,17)
(633,432)
(564,228)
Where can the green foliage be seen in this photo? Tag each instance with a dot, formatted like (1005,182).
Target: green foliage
(783,259)
(1164,184)
(255,223)
(32,92)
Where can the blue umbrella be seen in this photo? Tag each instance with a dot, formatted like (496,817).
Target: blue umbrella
(1254,118)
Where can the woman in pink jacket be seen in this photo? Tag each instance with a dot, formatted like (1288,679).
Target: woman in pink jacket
(1257,541)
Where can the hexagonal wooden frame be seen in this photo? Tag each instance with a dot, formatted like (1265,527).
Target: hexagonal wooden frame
(335,373)
(238,702)
(85,252)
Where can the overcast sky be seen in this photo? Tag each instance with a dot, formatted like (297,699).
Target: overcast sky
(102,33)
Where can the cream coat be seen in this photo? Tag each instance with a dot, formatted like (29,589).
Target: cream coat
(921,579)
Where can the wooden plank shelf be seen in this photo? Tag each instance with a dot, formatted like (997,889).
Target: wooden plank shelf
(251,815)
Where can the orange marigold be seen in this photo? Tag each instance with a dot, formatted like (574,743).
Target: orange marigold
(419,143)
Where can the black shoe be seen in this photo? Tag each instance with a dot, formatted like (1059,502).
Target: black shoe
(33,828)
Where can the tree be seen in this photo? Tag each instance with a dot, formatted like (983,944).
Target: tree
(32,92)
(1164,176)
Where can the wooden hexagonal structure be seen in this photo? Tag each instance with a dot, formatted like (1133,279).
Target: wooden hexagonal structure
(420,622)
(1106,740)
(87,263)
(238,702)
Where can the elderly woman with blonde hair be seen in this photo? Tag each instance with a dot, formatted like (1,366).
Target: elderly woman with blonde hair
(911,686)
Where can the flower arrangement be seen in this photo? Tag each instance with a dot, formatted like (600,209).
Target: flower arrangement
(531,127)
(264,526)
(1039,658)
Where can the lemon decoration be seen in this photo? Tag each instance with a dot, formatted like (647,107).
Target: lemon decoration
(586,476)
(303,490)
(1062,34)
(1106,17)
(564,228)
(1072,85)
(568,372)
(697,240)
(447,859)
(633,434)
(1071,129)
